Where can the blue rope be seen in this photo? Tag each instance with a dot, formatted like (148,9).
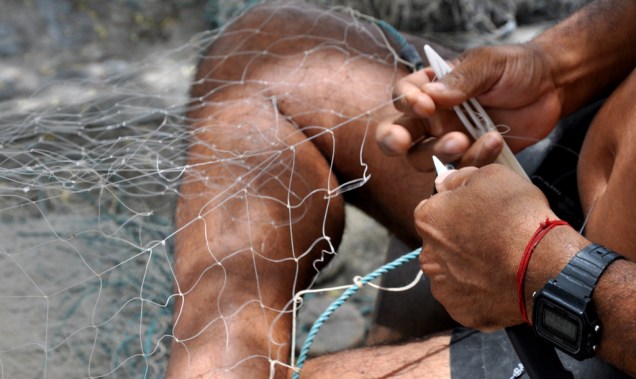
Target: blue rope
(302,357)
(407,51)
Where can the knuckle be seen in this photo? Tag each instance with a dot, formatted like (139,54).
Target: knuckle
(420,210)
(438,124)
(490,170)
(424,262)
(476,67)
(435,291)
(423,215)
(400,102)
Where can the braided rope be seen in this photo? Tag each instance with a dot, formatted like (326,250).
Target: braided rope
(320,321)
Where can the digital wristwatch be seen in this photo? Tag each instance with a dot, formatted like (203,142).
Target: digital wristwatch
(563,311)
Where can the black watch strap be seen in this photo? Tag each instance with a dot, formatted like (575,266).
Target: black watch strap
(581,274)
(563,311)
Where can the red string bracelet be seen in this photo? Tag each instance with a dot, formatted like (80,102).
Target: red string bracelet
(543,229)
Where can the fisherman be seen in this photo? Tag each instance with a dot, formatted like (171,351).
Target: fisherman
(278,72)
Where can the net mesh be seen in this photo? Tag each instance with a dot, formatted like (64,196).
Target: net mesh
(90,175)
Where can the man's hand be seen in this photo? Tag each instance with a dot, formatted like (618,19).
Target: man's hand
(474,232)
(514,83)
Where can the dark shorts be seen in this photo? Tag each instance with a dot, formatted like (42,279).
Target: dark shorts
(477,355)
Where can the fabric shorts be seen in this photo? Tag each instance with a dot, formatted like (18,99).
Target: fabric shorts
(491,355)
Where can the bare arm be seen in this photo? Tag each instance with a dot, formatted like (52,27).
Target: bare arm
(473,276)
(614,296)
(591,51)
(615,299)
(429,358)
(527,87)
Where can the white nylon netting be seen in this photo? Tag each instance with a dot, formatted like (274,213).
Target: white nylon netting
(89,177)
(88,182)
(90,173)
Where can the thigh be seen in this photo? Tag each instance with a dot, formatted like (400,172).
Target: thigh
(283,113)
(331,75)
(423,359)
(254,221)
(605,171)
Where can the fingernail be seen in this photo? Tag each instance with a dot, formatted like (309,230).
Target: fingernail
(451,147)
(441,177)
(492,142)
(390,144)
(436,87)
(411,96)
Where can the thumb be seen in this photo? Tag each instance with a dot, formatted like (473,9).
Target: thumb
(453,178)
(478,71)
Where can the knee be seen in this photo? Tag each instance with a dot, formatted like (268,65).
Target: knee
(255,41)
(276,18)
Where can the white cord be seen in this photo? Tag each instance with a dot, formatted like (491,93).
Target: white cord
(472,114)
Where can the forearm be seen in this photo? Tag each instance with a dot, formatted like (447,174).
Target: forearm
(615,299)
(591,51)
(614,296)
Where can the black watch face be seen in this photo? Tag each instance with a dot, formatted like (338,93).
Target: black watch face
(559,326)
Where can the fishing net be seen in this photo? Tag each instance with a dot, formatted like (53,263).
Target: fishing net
(90,175)
(88,185)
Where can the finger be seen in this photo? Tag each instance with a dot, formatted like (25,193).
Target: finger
(441,177)
(451,147)
(422,214)
(396,137)
(428,264)
(444,121)
(429,73)
(520,131)
(409,98)
(484,151)
(477,71)
(456,179)
(448,148)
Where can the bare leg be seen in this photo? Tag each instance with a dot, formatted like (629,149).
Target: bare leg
(429,358)
(606,184)
(284,110)
(242,252)
(259,204)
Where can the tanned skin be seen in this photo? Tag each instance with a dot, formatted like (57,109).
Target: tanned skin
(232,322)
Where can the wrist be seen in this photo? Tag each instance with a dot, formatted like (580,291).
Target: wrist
(564,310)
(550,257)
(562,67)
(613,297)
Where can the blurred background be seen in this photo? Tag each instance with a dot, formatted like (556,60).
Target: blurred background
(43,39)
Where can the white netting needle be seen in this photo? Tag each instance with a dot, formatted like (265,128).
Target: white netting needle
(440,168)
(472,114)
